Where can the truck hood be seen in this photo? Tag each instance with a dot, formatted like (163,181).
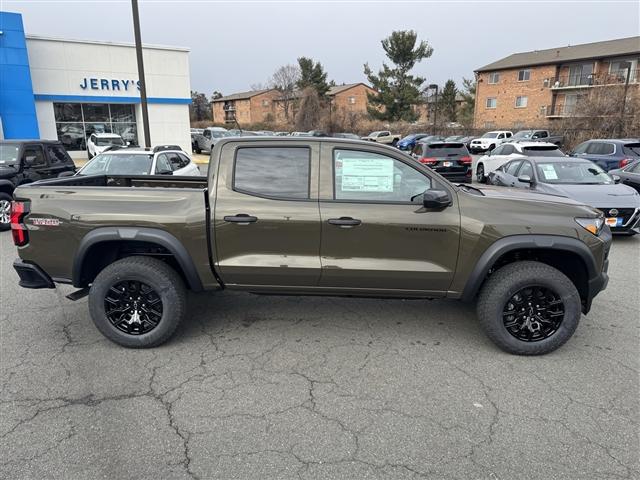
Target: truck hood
(613,195)
(506,193)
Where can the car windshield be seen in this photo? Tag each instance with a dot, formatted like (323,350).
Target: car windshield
(9,153)
(572,172)
(219,134)
(632,149)
(523,134)
(108,141)
(408,138)
(118,164)
(543,151)
(490,135)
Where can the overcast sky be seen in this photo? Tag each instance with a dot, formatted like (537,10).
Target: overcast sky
(236,44)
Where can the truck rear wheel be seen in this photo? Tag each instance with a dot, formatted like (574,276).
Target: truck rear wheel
(5,211)
(137,302)
(529,308)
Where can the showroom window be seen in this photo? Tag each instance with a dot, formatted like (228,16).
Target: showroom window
(76,121)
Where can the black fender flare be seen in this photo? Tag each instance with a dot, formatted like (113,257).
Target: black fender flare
(151,235)
(7,186)
(519,242)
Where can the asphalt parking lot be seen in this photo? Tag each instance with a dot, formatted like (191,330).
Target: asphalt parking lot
(316,388)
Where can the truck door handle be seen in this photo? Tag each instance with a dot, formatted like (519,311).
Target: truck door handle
(345,222)
(241,218)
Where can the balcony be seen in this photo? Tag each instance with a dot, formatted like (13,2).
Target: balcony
(559,111)
(591,80)
(229,107)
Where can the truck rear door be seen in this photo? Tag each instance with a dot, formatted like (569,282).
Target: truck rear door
(374,237)
(266,214)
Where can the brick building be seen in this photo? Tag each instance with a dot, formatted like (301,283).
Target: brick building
(535,88)
(267,105)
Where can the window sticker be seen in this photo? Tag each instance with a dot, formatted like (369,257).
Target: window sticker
(549,172)
(366,174)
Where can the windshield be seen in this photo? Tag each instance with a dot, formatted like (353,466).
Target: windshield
(572,172)
(219,134)
(112,164)
(105,142)
(523,134)
(9,153)
(490,135)
(408,138)
(543,152)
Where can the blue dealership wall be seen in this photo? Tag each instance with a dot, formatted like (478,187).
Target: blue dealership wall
(17,103)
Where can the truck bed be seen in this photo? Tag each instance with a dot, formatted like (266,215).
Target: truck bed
(162,181)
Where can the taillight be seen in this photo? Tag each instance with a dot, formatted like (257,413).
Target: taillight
(624,162)
(466,160)
(428,160)
(18,229)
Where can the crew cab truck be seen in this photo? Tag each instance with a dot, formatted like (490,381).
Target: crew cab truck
(384,136)
(311,216)
(538,136)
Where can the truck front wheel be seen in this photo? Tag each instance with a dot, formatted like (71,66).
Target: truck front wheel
(529,308)
(137,302)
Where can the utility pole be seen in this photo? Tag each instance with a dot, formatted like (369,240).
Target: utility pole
(143,83)
(626,65)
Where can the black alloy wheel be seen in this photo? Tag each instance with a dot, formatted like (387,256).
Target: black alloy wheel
(133,307)
(533,313)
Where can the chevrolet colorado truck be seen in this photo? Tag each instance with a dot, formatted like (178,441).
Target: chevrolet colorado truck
(311,216)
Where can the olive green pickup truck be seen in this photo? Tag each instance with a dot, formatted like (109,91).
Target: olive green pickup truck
(311,216)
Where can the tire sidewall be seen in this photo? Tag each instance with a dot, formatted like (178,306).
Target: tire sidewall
(166,291)
(572,308)
(5,226)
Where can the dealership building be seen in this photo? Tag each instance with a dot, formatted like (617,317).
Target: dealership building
(52,88)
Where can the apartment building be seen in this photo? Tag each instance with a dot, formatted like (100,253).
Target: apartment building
(268,106)
(537,88)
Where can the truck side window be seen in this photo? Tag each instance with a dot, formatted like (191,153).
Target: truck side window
(275,172)
(36,152)
(371,177)
(58,155)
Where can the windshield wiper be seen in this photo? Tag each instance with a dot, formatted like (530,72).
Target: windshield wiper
(465,186)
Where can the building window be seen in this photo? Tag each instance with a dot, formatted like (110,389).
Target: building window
(521,102)
(76,121)
(265,103)
(492,102)
(489,125)
(524,75)
(494,77)
(352,100)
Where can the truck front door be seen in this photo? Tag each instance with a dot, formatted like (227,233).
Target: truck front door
(376,234)
(266,215)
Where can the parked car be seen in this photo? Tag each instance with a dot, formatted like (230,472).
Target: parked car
(163,160)
(608,153)
(351,136)
(194,133)
(454,138)
(384,136)
(449,159)
(494,159)
(209,138)
(467,141)
(430,139)
(25,161)
(629,175)
(378,224)
(580,180)
(538,136)
(407,143)
(99,142)
(489,141)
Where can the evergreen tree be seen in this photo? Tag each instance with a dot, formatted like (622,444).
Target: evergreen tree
(398,90)
(468,92)
(312,75)
(447,101)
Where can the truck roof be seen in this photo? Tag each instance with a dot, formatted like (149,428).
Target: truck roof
(21,140)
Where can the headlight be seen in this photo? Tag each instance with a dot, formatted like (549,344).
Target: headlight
(593,225)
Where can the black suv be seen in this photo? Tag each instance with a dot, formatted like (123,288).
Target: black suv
(25,161)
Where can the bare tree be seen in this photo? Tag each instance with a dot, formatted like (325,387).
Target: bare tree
(284,80)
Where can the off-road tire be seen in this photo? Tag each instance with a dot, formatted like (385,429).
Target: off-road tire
(155,273)
(197,149)
(510,279)
(480,178)
(5,197)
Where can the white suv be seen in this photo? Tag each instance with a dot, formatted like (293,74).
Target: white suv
(497,157)
(489,141)
(164,160)
(99,142)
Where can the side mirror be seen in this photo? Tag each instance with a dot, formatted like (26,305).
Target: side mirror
(66,174)
(436,199)
(526,179)
(616,178)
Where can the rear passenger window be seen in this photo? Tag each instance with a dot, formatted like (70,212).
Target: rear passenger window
(273,172)
(513,168)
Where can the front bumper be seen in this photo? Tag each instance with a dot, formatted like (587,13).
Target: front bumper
(600,281)
(31,275)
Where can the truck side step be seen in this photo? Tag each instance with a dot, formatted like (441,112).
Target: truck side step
(78,294)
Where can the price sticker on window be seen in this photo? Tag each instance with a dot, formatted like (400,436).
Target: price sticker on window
(367,175)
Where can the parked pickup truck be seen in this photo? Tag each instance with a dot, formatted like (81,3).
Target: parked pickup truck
(207,139)
(538,136)
(385,137)
(311,216)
